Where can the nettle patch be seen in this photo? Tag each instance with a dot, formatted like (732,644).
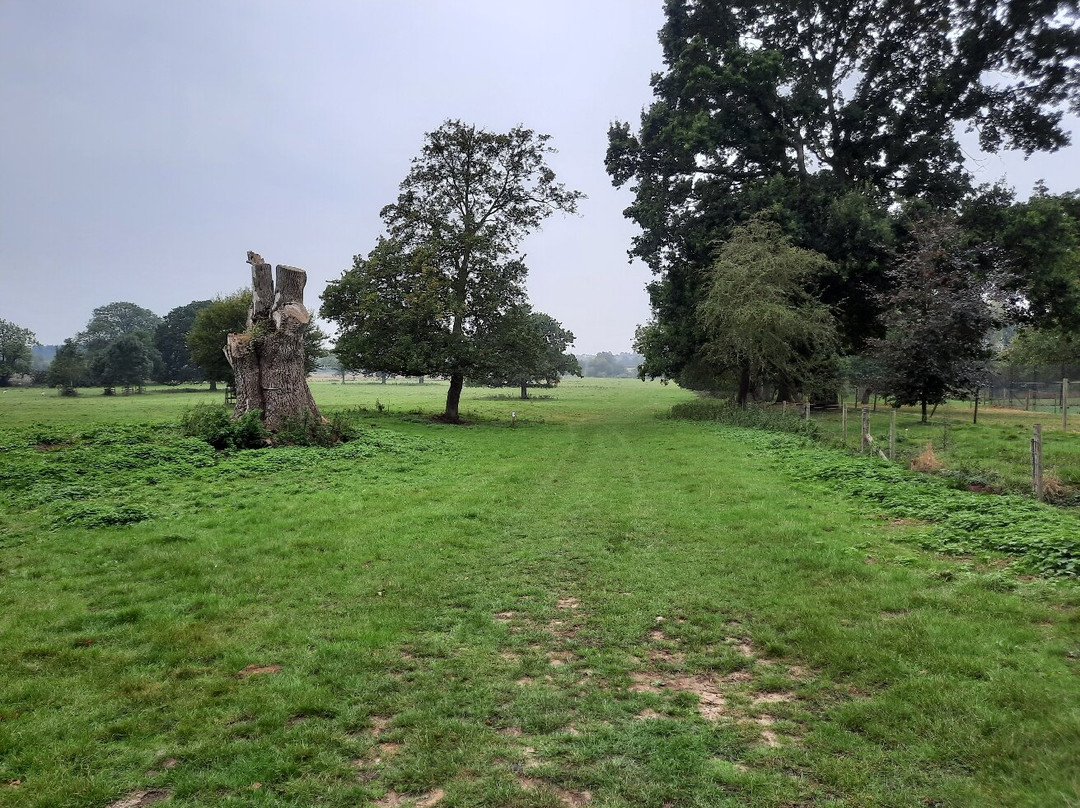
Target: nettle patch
(117,475)
(1041,538)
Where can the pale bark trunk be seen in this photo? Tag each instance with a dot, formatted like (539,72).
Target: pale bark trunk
(268,358)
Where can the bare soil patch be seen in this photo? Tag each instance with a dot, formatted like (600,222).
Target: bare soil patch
(137,799)
(258,670)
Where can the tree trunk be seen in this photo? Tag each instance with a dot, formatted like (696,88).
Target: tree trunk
(524,391)
(924,411)
(453,398)
(213,386)
(744,385)
(268,358)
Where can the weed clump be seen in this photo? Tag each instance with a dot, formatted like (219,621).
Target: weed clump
(726,412)
(214,424)
(926,460)
(308,429)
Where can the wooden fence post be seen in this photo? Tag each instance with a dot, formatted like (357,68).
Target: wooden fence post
(806,413)
(864,443)
(892,434)
(1036,462)
(1064,405)
(843,423)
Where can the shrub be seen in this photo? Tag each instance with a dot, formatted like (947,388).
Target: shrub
(213,424)
(307,429)
(726,412)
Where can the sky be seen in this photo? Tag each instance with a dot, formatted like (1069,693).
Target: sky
(145,147)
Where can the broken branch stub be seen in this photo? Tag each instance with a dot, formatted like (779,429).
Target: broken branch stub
(268,358)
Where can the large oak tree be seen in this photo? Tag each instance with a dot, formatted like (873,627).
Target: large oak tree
(832,111)
(428,298)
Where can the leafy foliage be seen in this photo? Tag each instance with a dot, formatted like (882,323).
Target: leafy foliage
(68,369)
(1040,241)
(427,298)
(725,412)
(532,352)
(214,424)
(15,354)
(939,314)
(832,112)
(170,339)
(1041,537)
(760,323)
(113,321)
(127,361)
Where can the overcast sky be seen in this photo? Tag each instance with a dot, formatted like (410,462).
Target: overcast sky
(146,146)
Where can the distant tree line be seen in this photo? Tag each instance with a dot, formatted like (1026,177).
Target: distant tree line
(609,365)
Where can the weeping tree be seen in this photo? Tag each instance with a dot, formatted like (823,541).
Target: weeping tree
(760,322)
(268,358)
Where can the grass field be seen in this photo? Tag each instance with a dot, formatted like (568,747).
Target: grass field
(597,606)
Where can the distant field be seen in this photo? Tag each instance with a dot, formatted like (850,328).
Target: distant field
(596,605)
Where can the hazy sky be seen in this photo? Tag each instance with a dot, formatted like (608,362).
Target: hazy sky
(146,146)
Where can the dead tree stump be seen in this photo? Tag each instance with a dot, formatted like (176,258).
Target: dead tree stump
(268,358)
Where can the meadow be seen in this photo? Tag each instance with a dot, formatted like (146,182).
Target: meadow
(589,603)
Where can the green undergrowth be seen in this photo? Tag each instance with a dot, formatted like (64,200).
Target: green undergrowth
(1044,539)
(123,474)
(724,411)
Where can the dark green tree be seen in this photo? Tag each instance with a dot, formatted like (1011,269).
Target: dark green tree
(128,361)
(428,298)
(939,313)
(112,321)
(68,369)
(15,353)
(761,326)
(1040,241)
(170,339)
(210,331)
(832,112)
(531,351)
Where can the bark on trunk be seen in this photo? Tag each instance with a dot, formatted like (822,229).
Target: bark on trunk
(268,358)
(744,385)
(524,391)
(453,398)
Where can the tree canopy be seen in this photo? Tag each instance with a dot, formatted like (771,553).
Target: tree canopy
(112,321)
(68,368)
(531,350)
(170,339)
(212,324)
(126,361)
(833,112)
(939,313)
(15,354)
(760,323)
(428,298)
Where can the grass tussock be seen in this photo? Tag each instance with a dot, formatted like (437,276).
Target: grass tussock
(926,460)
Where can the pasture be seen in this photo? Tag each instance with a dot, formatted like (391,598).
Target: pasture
(593,605)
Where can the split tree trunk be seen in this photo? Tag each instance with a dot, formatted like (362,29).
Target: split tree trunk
(268,358)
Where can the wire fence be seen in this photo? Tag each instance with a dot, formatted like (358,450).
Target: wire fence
(1036,388)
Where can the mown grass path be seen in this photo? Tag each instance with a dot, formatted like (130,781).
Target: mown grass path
(596,607)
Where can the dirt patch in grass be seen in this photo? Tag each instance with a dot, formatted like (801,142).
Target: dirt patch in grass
(569,602)
(258,670)
(137,799)
(573,799)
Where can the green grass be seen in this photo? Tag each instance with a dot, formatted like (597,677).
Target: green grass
(541,614)
(993,455)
